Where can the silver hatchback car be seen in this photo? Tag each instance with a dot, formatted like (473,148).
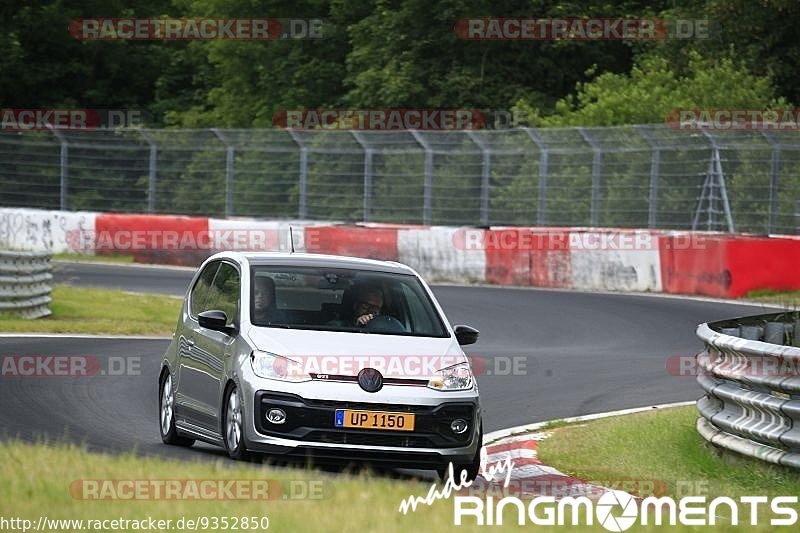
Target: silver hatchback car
(324,357)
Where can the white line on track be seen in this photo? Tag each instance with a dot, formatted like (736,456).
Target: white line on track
(83,336)
(527,428)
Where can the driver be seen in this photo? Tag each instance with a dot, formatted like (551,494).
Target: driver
(368,305)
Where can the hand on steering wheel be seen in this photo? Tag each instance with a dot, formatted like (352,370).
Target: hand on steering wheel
(385,323)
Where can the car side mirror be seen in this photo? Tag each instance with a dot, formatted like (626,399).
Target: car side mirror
(214,319)
(466,335)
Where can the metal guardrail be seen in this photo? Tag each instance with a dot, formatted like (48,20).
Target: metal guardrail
(750,371)
(25,283)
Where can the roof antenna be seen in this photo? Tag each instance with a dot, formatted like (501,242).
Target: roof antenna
(291,238)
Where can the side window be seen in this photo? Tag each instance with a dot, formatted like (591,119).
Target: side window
(200,291)
(421,321)
(224,292)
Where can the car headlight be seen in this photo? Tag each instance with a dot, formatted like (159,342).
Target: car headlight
(456,377)
(272,366)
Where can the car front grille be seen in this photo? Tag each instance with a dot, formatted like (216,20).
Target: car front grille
(312,421)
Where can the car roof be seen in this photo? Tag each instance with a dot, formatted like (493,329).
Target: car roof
(318,260)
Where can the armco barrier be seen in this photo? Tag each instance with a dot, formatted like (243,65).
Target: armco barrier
(24,283)
(750,372)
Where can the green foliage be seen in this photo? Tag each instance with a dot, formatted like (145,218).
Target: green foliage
(381,54)
(655,88)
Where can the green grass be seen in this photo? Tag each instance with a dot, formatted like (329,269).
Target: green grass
(788,299)
(663,446)
(101,311)
(44,480)
(116,258)
(35,480)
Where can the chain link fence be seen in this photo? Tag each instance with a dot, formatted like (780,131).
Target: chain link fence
(649,176)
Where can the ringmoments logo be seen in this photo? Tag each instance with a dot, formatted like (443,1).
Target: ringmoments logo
(619,511)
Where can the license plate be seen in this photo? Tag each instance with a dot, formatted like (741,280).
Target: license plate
(349,418)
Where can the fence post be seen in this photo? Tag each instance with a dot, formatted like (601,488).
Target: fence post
(596,161)
(367,174)
(302,209)
(63,169)
(775,168)
(541,218)
(152,171)
(229,175)
(716,172)
(427,196)
(486,172)
(655,162)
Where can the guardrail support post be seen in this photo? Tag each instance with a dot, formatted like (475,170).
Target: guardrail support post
(486,173)
(427,190)
(775,169)
(368,154)
(655,162)
(152,171)
(302,206)
(596,165)
(541,218)
(229,175)
(63,169)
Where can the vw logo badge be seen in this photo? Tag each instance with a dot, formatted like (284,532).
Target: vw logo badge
(370,380)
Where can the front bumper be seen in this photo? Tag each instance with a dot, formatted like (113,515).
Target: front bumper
(309,431)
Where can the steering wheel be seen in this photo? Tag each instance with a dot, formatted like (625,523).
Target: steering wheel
(385,323)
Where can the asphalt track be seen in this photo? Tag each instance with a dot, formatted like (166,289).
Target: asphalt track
(578,353)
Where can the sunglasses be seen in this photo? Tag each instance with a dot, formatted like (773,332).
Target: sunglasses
(369,307)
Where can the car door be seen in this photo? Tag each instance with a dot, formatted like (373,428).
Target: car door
(189,380)
(202,351)
(211,347)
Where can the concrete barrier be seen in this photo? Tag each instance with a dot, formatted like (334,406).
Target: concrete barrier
(45,231)
(712,264)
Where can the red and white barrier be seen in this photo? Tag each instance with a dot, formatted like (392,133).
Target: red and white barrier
(43,231)
(433,253)
(712,264)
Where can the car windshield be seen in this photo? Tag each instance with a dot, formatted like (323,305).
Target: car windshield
(335,299)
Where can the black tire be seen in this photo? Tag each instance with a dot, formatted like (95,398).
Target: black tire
(166,418)
(237,452)
(472,468)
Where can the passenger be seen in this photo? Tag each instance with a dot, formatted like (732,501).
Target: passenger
(264,307)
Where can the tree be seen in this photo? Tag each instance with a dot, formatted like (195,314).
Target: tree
(654,89)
